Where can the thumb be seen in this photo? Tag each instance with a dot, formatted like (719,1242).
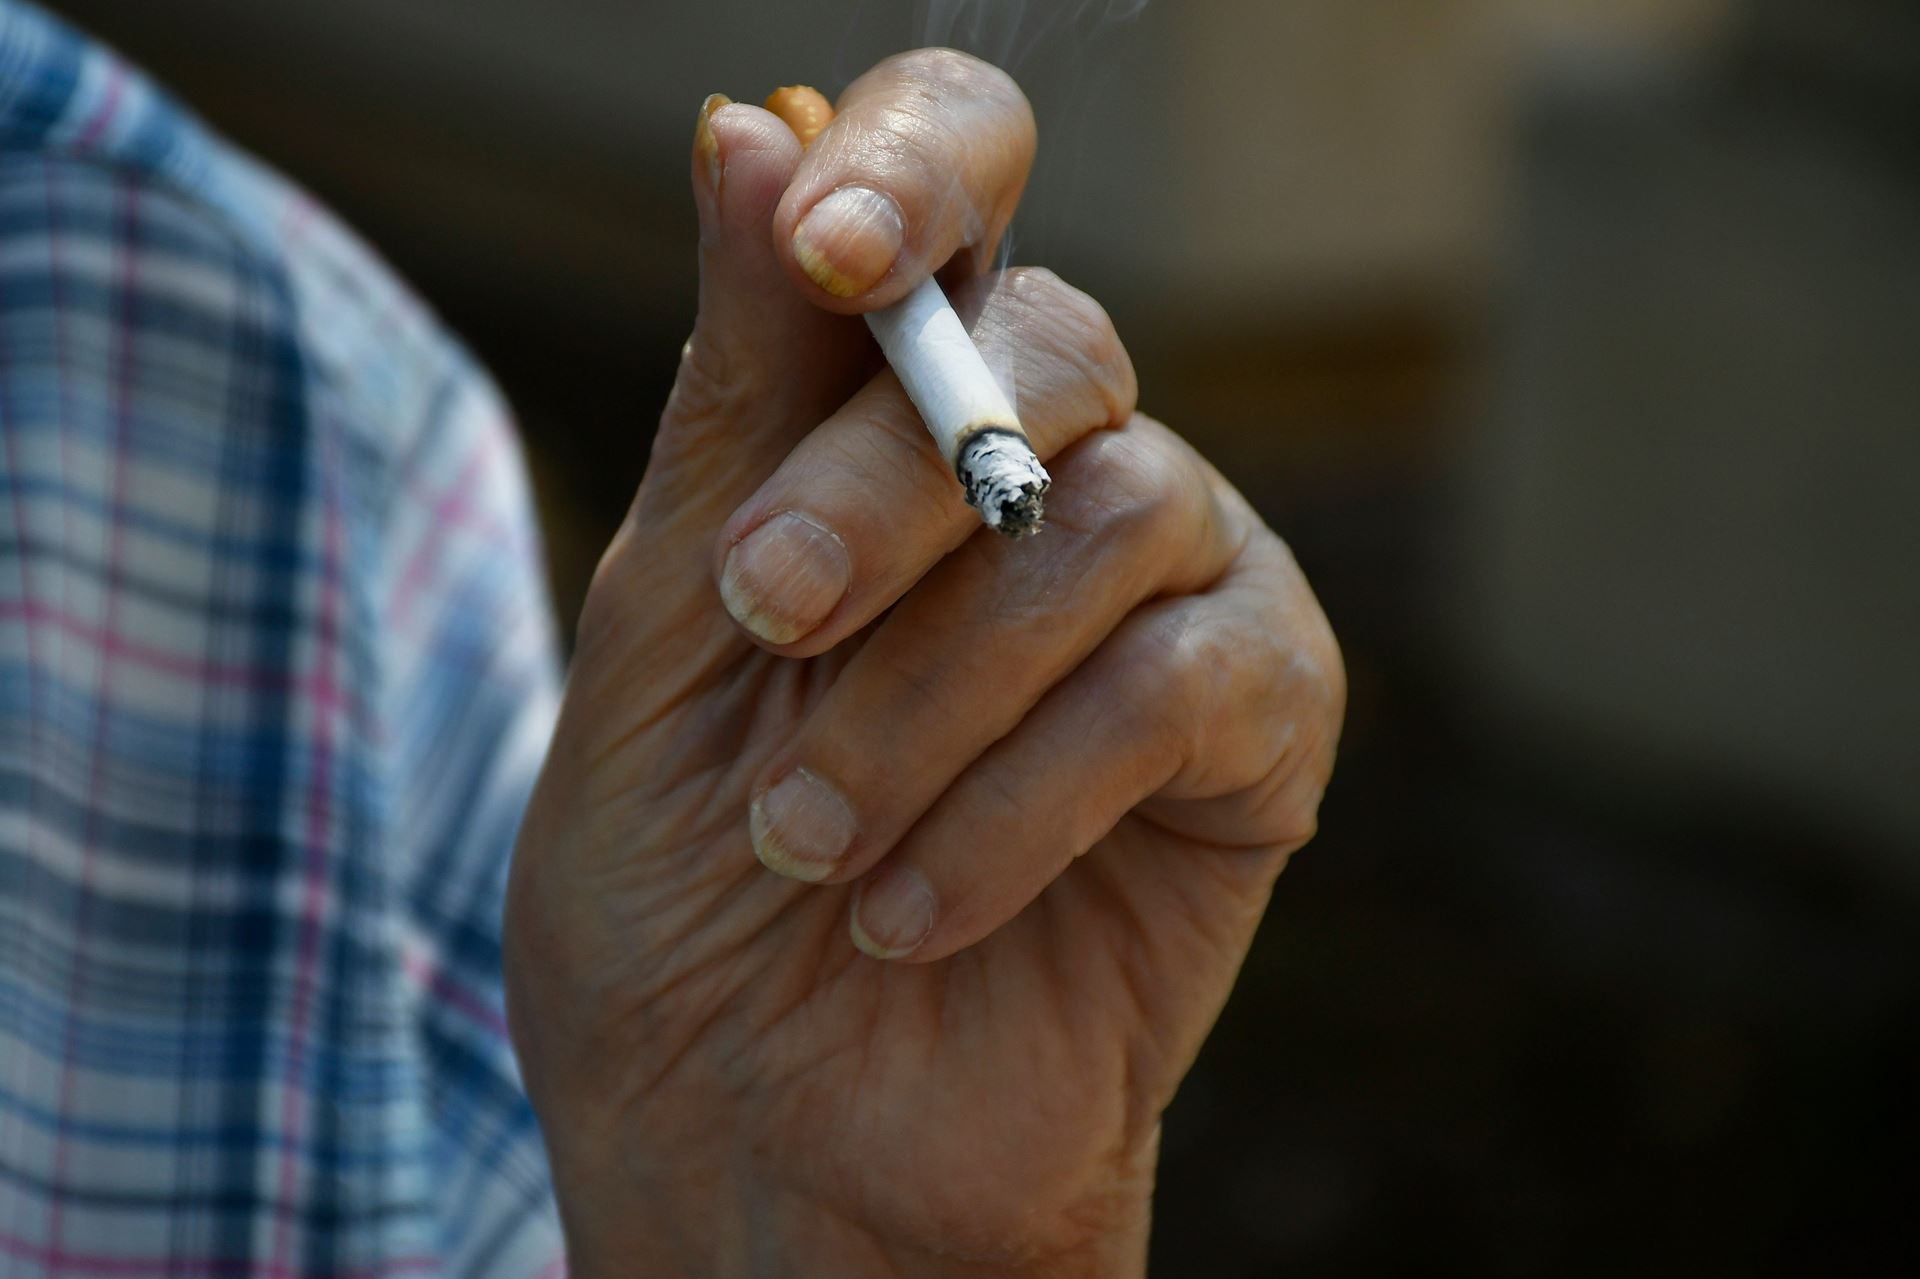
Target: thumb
(763,366)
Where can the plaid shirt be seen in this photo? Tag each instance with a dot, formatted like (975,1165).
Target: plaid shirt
(276,671)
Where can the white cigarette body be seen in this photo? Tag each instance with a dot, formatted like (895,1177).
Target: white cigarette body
(963,406)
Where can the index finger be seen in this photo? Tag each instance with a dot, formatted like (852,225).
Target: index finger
(927,157)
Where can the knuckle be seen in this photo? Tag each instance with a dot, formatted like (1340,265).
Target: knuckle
(996,795)
(930,90)
(892,452)
(952,75)
(1312,671)
(941,123)
(1081,334)
(1324,674)
(1070,313)
(1123,484)
(1207,658)
(1176,660)
(1288,731)
(709,388)
(1282,808)
(929,689)
(1055,328)
(912,137)
(938,65)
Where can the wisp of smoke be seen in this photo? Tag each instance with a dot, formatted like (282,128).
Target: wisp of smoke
(1052,47)
(1010,32)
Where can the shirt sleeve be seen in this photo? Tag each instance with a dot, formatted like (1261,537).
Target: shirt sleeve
(466,638)
(276,673)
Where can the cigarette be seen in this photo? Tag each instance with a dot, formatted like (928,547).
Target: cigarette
(964,409)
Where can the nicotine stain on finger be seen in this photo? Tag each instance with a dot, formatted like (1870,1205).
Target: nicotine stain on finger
(803,108)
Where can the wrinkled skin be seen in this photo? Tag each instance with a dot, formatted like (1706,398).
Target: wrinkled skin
(1088,753)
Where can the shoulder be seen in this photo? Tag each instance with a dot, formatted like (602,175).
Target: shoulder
(151,206)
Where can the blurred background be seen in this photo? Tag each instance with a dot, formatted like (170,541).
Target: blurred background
(1575,347)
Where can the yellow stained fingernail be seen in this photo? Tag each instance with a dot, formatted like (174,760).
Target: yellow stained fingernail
(785,578)
(704,139)
(850,240)
(892,913)
(804,109)
(801,827)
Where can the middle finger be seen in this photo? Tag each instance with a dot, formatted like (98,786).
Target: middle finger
(866,504)
(977,644)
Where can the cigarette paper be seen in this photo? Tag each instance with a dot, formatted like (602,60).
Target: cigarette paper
(963,406)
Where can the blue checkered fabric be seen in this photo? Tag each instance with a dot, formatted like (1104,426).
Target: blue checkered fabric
(276,671)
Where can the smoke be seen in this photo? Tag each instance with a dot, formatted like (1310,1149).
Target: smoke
(1012,32)
(1059,51)
(1064,57)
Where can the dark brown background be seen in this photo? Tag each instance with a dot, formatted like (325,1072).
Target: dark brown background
(1572,346)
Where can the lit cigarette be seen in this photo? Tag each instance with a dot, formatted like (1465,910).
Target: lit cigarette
(963,406)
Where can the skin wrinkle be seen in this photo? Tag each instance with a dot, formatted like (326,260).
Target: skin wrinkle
(929,103)
(901,448)
(764,684)
(1075,330)
(690,1037)
(848,1116)
(989,1247)
(1130,964)
(990,771)
(1282,697)
(1105,518)
(710,391)
(703,784)
(1189,891)
(1028,320)
(671,918)
(1124,1153)
(807,1001)
(631,737)
(702,657)
(793,999)
(941,84)
(718,815)
(934,684)
(1142,498)
(890,421)
(1053,317)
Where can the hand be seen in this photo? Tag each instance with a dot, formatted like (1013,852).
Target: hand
(1051,780)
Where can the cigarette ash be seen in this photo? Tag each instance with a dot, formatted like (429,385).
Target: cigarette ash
(1004,481)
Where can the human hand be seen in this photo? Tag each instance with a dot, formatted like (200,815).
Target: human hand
(1051,780)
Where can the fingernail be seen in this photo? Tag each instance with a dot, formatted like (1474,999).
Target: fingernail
(801,827)
(785,577)
(804,108)
(848,243)
(704,139)
(892,913)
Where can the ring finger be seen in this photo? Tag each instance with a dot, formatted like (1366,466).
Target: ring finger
(978,643)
